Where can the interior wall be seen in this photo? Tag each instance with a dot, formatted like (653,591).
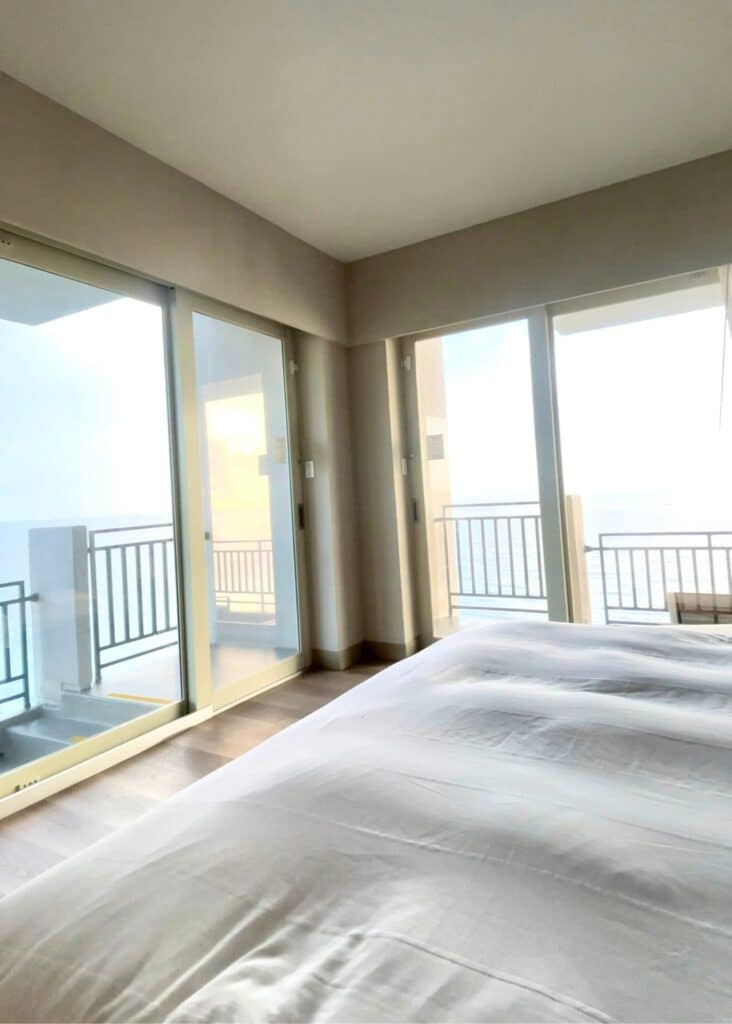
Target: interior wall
(669,222)
(388,616)
(330,502)
(66,180)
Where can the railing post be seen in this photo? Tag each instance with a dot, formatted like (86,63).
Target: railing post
(24,644)
(712,576)
(579,588)
(94,601)
(61,636)
(448,584)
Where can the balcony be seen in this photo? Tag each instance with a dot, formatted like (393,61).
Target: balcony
(91,640)
(490,564)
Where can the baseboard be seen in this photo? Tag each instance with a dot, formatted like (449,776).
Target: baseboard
(337,661)
(379,650)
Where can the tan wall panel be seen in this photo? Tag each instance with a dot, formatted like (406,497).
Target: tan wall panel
(330,501)
(388,613)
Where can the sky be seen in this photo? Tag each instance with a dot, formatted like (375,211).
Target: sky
(638,413)
(84,400)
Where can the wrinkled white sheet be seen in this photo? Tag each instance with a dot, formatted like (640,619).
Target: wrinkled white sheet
(526,822)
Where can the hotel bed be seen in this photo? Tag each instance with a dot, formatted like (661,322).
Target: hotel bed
(525,822)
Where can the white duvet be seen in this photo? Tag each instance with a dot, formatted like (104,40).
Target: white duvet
(526,822)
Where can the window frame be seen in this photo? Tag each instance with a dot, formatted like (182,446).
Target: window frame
(552,496)
(184,305)
(23,785)
(46,258)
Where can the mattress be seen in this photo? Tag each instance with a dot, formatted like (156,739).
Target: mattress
(524,822)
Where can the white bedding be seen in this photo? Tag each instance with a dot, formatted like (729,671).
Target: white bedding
(526,822)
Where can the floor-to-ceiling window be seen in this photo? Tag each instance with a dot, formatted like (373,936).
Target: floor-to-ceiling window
(248,507)
(646,440)
(151,526)
(88,554)
(478,464)
(575,461)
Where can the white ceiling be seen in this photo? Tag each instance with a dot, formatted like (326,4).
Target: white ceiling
(362,125)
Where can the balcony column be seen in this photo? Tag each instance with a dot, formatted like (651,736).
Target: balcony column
(579,586)
(61,620)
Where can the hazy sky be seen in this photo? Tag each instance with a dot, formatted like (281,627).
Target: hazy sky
(638,409)
(84,402)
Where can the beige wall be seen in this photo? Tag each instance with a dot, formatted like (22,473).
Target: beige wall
(330,502)
(388,614)
(68,181)
(660,224)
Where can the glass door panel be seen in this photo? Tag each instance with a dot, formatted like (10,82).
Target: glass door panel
(248,506)
(646,431)
(88,551)
(475,424)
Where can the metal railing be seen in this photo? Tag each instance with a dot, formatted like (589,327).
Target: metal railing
(493,553)
(14,627)
(133,592)
(244,573)
(638,570)
(133,598)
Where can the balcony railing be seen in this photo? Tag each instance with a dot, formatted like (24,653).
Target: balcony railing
(14,672)
(493,562)
(133,592)
(244,574)
(133,598)
(133,587)
(493,557)
(637,571)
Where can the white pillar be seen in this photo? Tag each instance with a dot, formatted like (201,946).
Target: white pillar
(579,586)
(61,635)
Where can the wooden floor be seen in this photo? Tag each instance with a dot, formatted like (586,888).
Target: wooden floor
(43,835)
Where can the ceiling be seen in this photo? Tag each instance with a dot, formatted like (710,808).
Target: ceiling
(363,125)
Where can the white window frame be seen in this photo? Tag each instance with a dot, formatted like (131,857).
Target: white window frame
(546,427)
(57,261)
(184,305)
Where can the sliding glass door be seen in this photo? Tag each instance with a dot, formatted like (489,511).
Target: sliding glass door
(151,516)
(250,510)
(474,465)
(89,606)
(573,463)
(646,435)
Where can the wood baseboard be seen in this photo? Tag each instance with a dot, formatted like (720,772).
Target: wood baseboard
(337,661)
(379,650)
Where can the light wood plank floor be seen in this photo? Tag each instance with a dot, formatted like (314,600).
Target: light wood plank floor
(35,839)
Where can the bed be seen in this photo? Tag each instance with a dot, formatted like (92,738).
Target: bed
(524,822)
